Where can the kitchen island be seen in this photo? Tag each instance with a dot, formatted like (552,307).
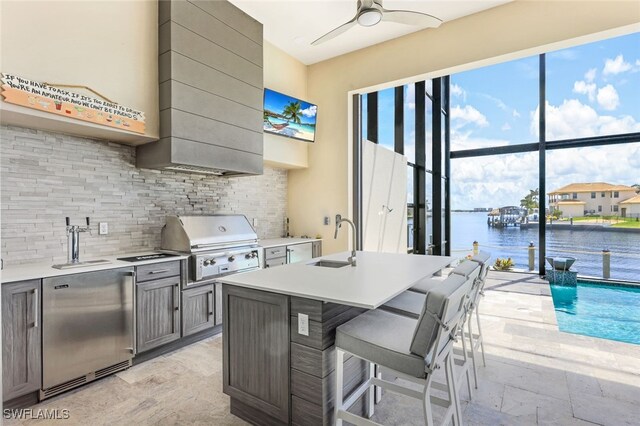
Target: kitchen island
(279,330)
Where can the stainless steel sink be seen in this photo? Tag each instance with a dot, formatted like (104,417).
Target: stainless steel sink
(82,264)
(329,263)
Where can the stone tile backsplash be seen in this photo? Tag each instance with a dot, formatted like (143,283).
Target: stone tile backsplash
(47,176)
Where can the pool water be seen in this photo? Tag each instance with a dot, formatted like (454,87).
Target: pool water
(599,310)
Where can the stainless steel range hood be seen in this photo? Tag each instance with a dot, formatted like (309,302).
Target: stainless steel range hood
(173,153)
(210,93)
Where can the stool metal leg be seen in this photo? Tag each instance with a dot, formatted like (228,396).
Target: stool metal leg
(426,404)
(339,380)
(378,388)
(465,359)
(473,349)
(372,391)
(484,360)
(453,392)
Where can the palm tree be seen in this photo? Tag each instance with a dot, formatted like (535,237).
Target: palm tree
(292,111)
(530,201)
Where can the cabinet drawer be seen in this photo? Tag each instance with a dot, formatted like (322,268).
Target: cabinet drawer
(278,261)
(274,252)
(157,270)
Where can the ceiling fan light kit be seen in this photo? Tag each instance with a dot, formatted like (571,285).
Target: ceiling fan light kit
(370,12)
(369,17)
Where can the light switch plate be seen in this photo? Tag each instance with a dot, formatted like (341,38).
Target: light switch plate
(303,324)
(104,228)
(255,222)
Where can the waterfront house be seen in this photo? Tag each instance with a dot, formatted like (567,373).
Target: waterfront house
(630,207)
(592,198)
(241,212)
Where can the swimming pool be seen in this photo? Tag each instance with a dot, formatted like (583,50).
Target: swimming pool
(598,310)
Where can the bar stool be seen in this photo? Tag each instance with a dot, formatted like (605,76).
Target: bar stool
(407,348)
(409,303)
(476,340)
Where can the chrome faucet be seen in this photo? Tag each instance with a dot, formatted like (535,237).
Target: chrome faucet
(73,234)
(339,220)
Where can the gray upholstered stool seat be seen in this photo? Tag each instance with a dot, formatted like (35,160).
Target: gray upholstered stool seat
(424,285)
(466,268)
(406,348)
(482,257)
(408,303)
(383,338)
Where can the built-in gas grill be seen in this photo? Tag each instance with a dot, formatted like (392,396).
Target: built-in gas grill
(219,244)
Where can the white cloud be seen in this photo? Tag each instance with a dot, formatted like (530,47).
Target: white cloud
(608,98)
(492,181)
(468,115)
(566,54)
(616,66)
(590,75)
(459,92)
(515,113)
(410,97)
(505,127)
(466,140)
(585,88)
(573,119)
(502,180)
(310,112)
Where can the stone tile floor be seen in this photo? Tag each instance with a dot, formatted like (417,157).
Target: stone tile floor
(534,375)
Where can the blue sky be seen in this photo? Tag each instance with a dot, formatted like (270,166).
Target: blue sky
(592,89)
(275,102)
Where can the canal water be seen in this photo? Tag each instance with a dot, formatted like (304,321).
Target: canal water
(585,245)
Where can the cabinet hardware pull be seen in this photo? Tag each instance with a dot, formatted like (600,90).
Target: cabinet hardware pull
(159,271)
(36,308)
(176,300)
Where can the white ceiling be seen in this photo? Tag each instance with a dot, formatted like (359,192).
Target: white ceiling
(293,24)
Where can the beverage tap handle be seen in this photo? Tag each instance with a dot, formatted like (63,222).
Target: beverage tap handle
(68,221)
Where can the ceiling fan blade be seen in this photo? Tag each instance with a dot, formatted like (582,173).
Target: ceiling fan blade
(409,17)
(335,32)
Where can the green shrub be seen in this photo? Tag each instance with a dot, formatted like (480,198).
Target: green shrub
(503,264)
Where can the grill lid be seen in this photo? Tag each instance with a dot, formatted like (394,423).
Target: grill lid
(196,233)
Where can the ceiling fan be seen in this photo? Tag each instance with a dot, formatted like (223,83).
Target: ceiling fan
(371,12)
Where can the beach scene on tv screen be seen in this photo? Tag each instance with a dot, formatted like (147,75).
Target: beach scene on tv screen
(287,116)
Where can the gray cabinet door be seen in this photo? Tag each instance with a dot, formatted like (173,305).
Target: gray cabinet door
(197,309)
(21,331)
(299,252)
(256,351)
(157,312)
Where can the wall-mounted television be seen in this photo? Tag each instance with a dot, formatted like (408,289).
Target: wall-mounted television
(287,116)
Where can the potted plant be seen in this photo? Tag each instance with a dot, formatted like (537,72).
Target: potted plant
(503,264)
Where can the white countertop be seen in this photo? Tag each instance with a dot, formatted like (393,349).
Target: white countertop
(275,242)
(377,278)
(31,271)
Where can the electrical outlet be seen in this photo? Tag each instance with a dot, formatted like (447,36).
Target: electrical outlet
(104,228)
(326,220)
(303,324)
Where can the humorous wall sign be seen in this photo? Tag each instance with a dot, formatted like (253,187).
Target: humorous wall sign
(43,97)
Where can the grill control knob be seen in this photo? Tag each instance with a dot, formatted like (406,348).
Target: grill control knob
(248,256)
(232,258)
